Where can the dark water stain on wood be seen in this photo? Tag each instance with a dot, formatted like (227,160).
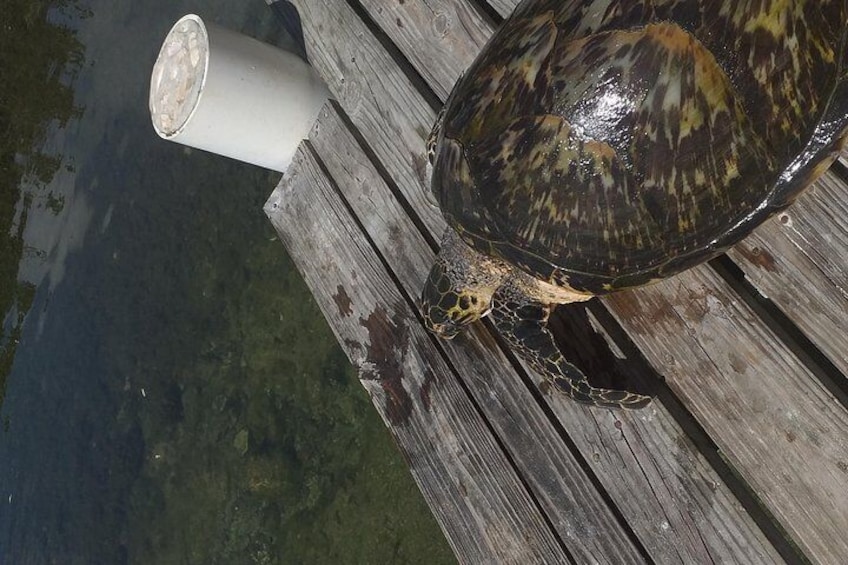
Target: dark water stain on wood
(757,256)
(643,313)
(343,301)
(388,344)
(698,304)
(424,393)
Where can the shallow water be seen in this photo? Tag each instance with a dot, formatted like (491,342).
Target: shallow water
(176,396)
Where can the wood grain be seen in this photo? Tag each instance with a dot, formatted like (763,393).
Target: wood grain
(799,261)
(475,494)
(792,505)
(454,32)
(683,512)
(377,96)
(503,7)
(772,419)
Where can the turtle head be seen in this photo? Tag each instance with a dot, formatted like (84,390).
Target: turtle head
(447,308)
(457,292)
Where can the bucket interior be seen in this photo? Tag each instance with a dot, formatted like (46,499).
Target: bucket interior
(178,75)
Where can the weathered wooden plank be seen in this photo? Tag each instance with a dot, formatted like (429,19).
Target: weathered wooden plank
(719,532)
(773,420)
(806,475)
(375,93)
(478,499)
(454,32)
(798,261)
(503,7)
(684,512)
(577,511)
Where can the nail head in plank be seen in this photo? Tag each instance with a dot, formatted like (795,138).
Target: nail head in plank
(798,261)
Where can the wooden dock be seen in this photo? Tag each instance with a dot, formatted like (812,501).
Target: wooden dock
(743,456)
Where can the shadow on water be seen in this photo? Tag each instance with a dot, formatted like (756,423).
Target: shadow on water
(176,396)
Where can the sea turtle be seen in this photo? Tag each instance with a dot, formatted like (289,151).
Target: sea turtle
(599,145)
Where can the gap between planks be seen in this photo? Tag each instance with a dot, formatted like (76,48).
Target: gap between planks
(384,138)
(816,395)
(472,489)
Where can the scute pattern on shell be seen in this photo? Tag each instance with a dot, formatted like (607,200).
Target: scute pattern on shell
(601,144)
(781,55)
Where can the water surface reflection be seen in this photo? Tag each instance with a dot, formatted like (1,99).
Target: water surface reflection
(176,396)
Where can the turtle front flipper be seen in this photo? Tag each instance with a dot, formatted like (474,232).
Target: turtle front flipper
(523,323)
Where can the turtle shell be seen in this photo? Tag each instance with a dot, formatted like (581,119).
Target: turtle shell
(603,144)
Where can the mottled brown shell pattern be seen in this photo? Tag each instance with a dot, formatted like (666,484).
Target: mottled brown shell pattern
(601,144)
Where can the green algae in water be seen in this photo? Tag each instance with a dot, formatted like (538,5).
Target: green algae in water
(210,416)
(261,444)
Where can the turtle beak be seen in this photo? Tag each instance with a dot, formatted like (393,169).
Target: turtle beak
(445,331)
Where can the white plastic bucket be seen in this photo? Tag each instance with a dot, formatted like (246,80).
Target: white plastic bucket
(224,92)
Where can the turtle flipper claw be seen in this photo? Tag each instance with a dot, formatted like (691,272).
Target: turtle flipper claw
(581,391)
(524,325)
